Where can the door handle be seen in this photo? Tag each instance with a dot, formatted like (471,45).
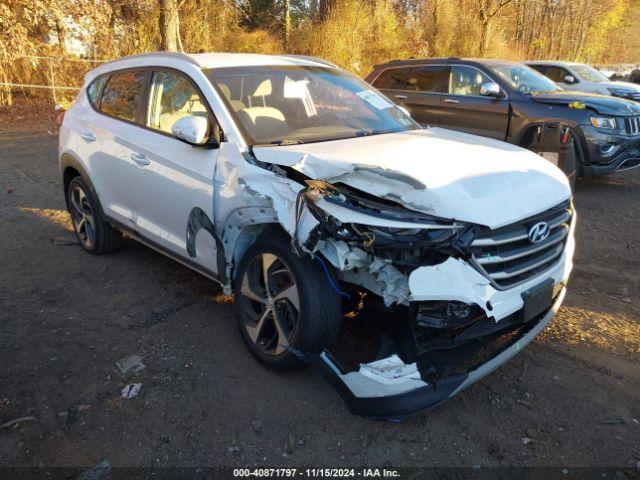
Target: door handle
(140,159)
(451,100)
(88,136)
(400,97)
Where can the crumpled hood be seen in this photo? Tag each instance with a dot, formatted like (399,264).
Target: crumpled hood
(603,104)
(437,171)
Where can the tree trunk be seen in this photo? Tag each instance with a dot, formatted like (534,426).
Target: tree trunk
(326,6)
(436,32)
(287,24)
(169,25)
(62,43)
(484,38)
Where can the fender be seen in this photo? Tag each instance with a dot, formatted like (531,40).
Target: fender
(522,121)
(241,224)
(69,161)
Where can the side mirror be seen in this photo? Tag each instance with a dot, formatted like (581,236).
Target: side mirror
(490,89)
(569,79)
(404,110)
(191,129)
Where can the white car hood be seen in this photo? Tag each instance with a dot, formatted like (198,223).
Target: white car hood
(437,171)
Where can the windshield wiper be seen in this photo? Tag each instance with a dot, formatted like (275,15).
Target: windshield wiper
(276,143)
(366,133)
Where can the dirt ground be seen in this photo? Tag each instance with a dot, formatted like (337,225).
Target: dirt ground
(571,399)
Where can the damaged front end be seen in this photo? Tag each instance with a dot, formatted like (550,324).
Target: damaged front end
(372,242)
(394,388)
(447,319)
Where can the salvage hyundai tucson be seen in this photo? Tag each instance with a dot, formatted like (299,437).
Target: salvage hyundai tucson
(305,193)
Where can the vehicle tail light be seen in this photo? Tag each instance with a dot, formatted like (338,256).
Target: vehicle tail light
(60,118)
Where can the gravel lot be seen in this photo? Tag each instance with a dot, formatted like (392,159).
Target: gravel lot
(571,399)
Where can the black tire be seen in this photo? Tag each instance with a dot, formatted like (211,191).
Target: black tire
(571,167)
(93,232)
(317,322)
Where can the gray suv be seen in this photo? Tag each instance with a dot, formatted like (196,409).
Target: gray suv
(511,102)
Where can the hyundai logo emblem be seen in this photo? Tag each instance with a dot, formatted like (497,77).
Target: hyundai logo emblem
(539,232)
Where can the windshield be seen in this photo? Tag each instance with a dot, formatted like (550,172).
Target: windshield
(524,79)
(589,74)
(277,105)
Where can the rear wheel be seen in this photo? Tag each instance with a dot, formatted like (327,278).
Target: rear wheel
(93,232)
(284,301)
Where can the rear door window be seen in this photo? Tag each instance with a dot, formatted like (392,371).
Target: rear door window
(429,79)
(122,95)
(393,79)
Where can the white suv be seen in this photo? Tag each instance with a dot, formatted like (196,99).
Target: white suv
(304,191)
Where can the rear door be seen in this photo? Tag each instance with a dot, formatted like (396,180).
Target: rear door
(115,128)
(418,89)
(427,83)
(463,108)
(174,180)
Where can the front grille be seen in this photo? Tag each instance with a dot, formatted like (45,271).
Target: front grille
(508,257)
(632,125)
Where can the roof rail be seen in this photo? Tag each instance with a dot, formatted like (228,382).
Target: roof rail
(312,59)
(176,55)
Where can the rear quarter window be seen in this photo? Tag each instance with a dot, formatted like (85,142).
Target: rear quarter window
(95,89)
(122,95)
(392,79)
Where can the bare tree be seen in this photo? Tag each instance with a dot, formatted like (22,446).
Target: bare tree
(488,9)
(324,10)
(169,25)
(287,23)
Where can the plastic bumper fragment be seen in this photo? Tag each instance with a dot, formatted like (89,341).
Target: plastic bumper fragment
(390,389)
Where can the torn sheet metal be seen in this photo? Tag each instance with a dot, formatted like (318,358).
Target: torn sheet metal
(374,274)
(495,173)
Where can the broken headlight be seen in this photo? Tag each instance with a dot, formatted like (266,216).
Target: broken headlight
(446,314)
(435,237)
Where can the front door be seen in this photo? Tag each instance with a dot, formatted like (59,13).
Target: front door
(463,108)
(173,198)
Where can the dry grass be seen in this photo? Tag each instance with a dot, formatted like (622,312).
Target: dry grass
(60,218)
(617,333)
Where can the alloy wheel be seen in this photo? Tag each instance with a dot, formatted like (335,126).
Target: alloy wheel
(82,217)
(269,303)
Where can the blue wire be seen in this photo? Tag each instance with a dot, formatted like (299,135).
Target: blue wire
(331,282)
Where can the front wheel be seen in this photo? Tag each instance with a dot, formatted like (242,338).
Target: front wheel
(284,301)
(571,165)
(571,162)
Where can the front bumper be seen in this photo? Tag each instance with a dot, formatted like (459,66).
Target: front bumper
(624,154)
(390,389)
